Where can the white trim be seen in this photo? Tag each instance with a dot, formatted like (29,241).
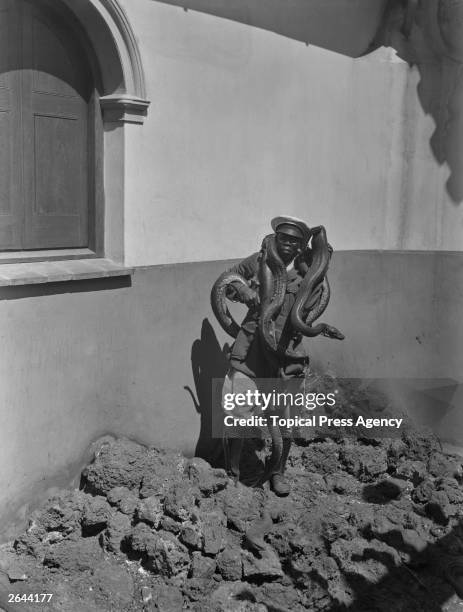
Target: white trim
(123,108)
(118,56)
(137,85)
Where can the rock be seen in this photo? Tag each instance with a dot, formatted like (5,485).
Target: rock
(163,469)
(59,519)
(169,524)
(214,532)
(411,538)
(280,537)
(370,560)
(168,598)
(117,531)
(266,566)
(52,537)
(325,568)
(180,500)
(328,545)
(198,590)
(119,463)
(33,542)
(341,483)
(335,527)
(207,479)
(315,484)
(364,462)
(451,488)
(96,513)
(395,451)
(305,552)
(62,513)
(202,567)
(208,504)
(401,513)
(235,597)
(241,505)
(452,543)
(423,492)
(420,444)
(115,584)
(146,594)
(150,511)
(229,563)
(191,536)
(453,572)
(438,508)
(321,457)
(440,465)
(411,470)
(123,499)
(74,556)
(142,538)
(279,598)
(13,569)
(415,548)
(166,555)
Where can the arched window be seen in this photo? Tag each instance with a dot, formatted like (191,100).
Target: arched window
(47,104)
(71,78)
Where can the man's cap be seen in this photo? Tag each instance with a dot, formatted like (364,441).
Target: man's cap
(292,226)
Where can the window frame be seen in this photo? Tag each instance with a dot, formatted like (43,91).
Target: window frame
(95,198)
(104,32)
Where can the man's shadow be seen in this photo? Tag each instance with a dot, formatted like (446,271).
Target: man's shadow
(209,363)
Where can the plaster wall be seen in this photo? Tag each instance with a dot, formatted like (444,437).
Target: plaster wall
(79,360)
(246,123)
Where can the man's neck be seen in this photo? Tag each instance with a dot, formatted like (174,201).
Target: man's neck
(287,260)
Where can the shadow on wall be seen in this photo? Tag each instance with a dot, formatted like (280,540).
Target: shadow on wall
(428,35)
(344,26)
(424,34)
(208,362)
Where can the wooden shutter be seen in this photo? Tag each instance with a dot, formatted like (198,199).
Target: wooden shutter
(11,208)
(50,89)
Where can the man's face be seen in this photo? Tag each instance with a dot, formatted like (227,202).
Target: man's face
(287,245)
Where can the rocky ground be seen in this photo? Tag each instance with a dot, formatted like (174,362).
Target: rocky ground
(372,524)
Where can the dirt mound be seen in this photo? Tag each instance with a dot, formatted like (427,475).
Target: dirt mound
(370,524)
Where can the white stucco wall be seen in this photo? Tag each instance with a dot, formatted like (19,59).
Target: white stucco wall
(245,124)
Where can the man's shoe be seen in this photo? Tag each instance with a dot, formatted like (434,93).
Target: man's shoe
(279,485)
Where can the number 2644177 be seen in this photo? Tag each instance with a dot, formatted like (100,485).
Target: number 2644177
(31,597)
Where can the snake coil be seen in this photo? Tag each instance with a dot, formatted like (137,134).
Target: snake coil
(310,303)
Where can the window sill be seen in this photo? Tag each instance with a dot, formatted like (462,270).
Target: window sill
(32,273)
(13,257)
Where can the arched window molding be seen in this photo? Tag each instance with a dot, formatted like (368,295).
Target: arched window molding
(124,92)
(123,101)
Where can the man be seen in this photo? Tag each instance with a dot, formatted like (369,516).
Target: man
(249,359)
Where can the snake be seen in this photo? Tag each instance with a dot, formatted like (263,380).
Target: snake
(311,300)
(320,262)
(310,303)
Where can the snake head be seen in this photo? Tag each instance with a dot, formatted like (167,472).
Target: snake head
(332,332)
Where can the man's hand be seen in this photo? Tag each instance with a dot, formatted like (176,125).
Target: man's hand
(249,296)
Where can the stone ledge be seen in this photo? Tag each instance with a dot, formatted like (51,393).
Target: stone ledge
(32,273)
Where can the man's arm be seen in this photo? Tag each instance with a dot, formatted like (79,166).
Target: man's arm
(247,268)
